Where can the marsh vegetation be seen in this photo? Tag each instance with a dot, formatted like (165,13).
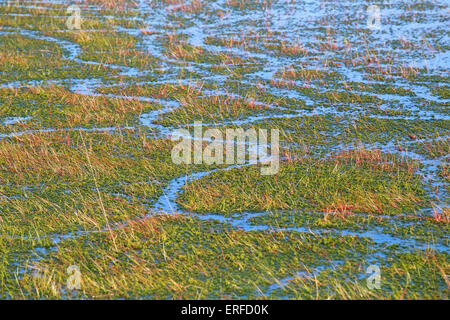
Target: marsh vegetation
(87,179)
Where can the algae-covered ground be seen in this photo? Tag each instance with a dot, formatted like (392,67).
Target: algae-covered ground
(92,205)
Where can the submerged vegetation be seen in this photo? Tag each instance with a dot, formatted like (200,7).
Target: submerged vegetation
(87,178)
